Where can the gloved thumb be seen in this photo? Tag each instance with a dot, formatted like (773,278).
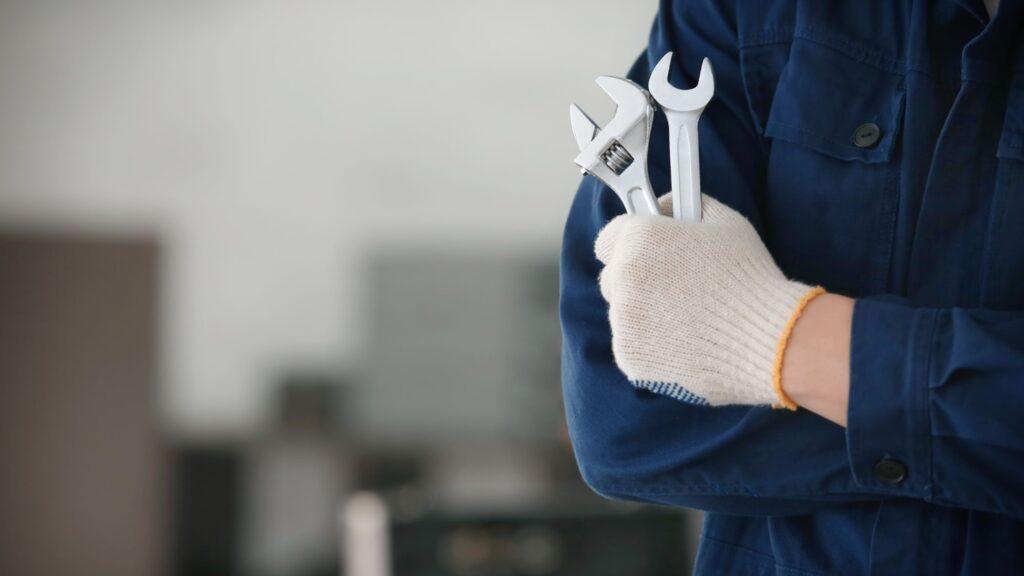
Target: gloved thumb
(715,212)
(665,204)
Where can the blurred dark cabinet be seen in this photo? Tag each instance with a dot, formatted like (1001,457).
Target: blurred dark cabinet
(82,487)
(652,542)
(207,504)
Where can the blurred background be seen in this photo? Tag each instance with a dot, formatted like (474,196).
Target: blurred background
(278,289)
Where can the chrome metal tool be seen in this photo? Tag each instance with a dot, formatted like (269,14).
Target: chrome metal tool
(683,109)
(617,153)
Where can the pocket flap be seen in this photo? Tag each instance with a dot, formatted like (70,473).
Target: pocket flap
(825,96)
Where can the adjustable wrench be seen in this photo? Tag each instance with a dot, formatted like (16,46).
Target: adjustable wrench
(617,153)
(683,109)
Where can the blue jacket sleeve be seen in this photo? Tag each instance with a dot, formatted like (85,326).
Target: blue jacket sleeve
(934,392)
(939,391)
(636,445)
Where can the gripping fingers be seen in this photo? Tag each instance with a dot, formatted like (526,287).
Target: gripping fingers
(604,246)
(717,213)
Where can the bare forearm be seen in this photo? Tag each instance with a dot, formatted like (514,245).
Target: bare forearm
(816,366)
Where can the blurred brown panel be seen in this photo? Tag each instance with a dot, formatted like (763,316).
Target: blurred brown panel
(80,458)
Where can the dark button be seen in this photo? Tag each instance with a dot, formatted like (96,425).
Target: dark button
(867,135)
(890,471)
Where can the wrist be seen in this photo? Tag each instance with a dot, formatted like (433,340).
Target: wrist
(816,367)
(783,400)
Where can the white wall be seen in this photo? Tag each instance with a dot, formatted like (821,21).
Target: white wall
(272,144)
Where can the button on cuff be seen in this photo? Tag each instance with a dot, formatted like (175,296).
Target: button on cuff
(887,430)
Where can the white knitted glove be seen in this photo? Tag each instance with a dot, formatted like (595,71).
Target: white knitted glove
(699,312)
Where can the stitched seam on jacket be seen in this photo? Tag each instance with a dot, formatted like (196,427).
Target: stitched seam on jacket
(856,50)
(865,56)
(928,377)
(766,37)
(769,557)
(739,490)
(816,137)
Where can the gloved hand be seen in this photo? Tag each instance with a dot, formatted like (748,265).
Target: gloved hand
(699,312)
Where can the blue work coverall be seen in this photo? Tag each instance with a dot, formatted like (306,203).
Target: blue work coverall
(878,148)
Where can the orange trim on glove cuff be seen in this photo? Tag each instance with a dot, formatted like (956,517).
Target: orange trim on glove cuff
(780,351)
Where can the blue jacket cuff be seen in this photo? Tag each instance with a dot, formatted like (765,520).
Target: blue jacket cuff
(888,432)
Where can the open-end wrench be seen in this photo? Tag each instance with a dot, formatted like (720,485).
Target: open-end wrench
(683,109)
(617,153)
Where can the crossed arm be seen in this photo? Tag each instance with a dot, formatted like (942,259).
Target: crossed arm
(938,389)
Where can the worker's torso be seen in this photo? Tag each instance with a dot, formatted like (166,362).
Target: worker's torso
(894,133)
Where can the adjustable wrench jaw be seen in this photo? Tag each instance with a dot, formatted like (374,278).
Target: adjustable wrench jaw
(617,154)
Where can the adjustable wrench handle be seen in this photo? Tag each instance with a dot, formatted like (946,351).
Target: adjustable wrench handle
(685,161)
(641,202)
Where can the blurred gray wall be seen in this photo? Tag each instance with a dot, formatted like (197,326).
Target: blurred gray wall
(271,145)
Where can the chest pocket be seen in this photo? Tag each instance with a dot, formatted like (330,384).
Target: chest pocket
(832,124)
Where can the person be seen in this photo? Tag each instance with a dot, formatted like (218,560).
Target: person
(874,149)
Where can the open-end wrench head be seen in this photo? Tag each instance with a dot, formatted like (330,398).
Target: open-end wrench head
(583,128)
(678,100)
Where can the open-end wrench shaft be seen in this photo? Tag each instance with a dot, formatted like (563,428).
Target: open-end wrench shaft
(682,110)
(685,162)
